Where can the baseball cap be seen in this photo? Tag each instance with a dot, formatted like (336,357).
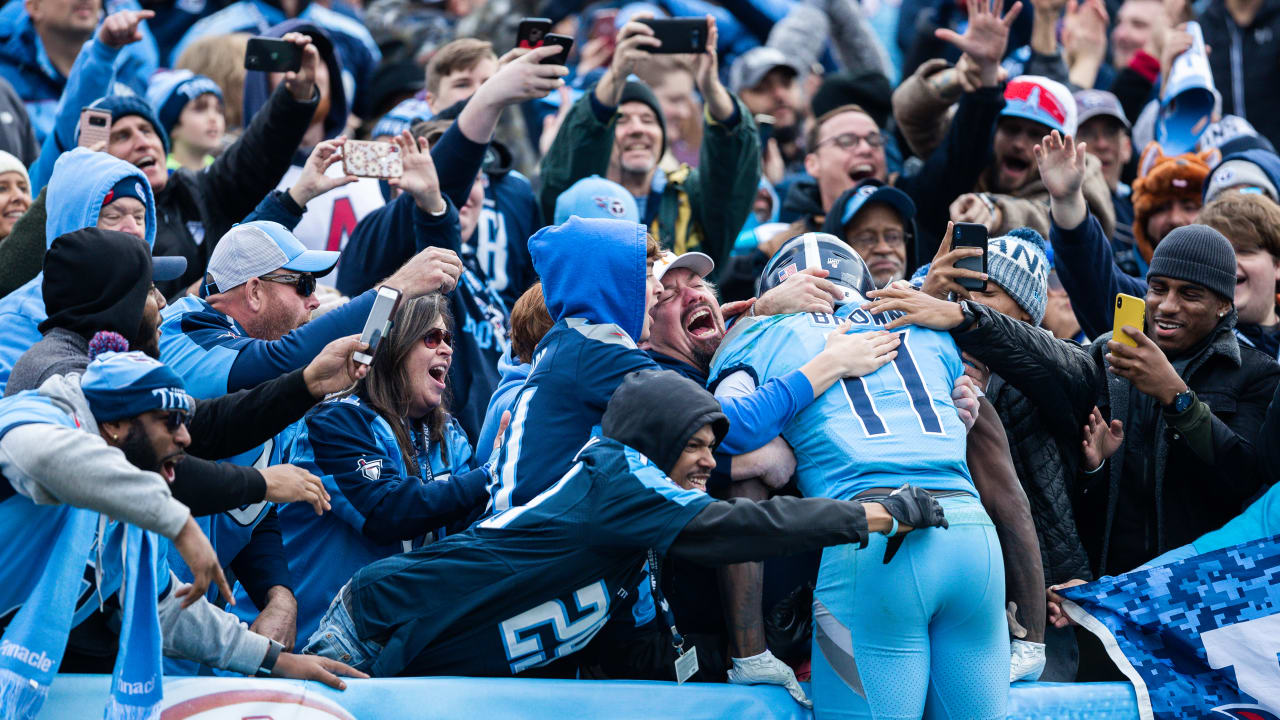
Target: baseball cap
(701,264)
(1097,103)
(1237,172)
(167,267)
(873,191)
(596,197)
(751,67)
(256,248)
(1042,100)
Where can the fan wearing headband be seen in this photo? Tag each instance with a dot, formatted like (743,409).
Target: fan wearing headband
(886,634)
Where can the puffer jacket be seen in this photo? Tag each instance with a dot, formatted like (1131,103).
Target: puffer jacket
(1203,467)
(1043,389)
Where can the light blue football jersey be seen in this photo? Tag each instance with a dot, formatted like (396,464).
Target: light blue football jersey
(897,425)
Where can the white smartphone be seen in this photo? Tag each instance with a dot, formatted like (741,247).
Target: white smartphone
(378,323)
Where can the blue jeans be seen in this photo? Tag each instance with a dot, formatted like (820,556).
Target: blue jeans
(336,638)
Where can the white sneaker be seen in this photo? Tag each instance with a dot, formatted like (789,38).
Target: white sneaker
(1026,660)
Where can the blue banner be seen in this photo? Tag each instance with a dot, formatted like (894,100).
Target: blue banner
(451,698)
(1199,637)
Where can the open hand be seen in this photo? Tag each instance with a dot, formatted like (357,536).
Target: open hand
(986,37)
(862,353)
(919,308)
(314,180)
(419,178)
(805,291)
(314,667)
(1100,439)
(1061,162)
(632,49)
(122,28)
(1084,30)
(198,554)
(290,483)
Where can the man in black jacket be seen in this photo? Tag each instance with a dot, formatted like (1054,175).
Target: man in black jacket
(1244,58)
(1043,390)
(196,208)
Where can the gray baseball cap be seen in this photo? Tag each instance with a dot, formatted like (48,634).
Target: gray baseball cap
(751,67)
(1096,103)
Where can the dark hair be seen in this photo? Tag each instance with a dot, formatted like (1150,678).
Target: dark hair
(386,387)
(529,322)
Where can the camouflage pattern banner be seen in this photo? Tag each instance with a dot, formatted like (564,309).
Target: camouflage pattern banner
(1200,637)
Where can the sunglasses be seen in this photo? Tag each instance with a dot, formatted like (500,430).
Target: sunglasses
(304,283)
(435,336)
(174,420)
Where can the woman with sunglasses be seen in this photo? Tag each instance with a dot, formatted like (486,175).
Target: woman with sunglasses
(398,469)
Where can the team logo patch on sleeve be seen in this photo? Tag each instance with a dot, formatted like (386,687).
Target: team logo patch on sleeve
(370,470)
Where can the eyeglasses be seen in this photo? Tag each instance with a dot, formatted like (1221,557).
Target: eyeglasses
(304,283)
(174,420)
(869,240)
(848,141)
(435,336)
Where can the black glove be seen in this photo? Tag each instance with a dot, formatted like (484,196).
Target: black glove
(914,508)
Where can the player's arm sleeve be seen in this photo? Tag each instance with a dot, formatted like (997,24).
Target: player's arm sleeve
(52,464)
(261,564)
(738,530)
(208,635)
(261,360)
(395,506)
(218,428)
(759,416)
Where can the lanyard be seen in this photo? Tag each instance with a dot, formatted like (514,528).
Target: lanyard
(661,601)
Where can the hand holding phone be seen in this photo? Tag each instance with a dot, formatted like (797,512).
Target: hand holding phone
(1131,311)
(566,44)
(272,55)
(378,324)
(971,235)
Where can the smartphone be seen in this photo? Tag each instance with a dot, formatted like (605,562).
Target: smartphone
(531,32)
(971,235)
(95,126)
(566,44)
(272,55)
(378,323)
(679,35)
(1131,311)
(765,124)
(604,25)
(366,158)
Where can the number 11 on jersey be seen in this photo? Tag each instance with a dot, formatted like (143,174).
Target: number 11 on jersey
(904,365)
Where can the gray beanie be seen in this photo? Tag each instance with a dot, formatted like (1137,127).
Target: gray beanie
(1017,263)
(1197,254)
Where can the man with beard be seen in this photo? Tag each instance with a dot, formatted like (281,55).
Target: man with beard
(618,131)
(107,442)
(1010,193)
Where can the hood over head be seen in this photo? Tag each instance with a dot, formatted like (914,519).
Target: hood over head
(83,294)
(257,90)
(80,182)
(593,269)
(657,411)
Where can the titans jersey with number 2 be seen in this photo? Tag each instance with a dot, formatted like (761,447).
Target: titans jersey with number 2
(898,424)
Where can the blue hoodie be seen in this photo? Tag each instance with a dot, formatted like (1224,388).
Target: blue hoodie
(593,278)
(513,372)
(357,51)
(27,67)
(81,180)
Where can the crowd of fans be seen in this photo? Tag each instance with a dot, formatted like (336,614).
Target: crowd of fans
(584,253)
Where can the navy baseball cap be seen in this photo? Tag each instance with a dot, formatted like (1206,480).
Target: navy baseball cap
(167,267)
(874,191)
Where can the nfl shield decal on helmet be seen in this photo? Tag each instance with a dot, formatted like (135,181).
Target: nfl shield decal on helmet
(370,470)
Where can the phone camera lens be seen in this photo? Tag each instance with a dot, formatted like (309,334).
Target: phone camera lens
(1119,302)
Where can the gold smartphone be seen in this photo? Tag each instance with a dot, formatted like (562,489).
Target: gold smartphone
(1131,311)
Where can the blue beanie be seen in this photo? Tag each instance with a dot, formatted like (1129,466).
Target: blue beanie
(1017,263)
(121,106)
(127,384)
(169,92)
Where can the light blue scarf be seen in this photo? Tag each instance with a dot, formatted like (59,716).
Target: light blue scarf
(136,680)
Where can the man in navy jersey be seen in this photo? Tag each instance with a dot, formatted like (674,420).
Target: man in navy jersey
(535,583)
